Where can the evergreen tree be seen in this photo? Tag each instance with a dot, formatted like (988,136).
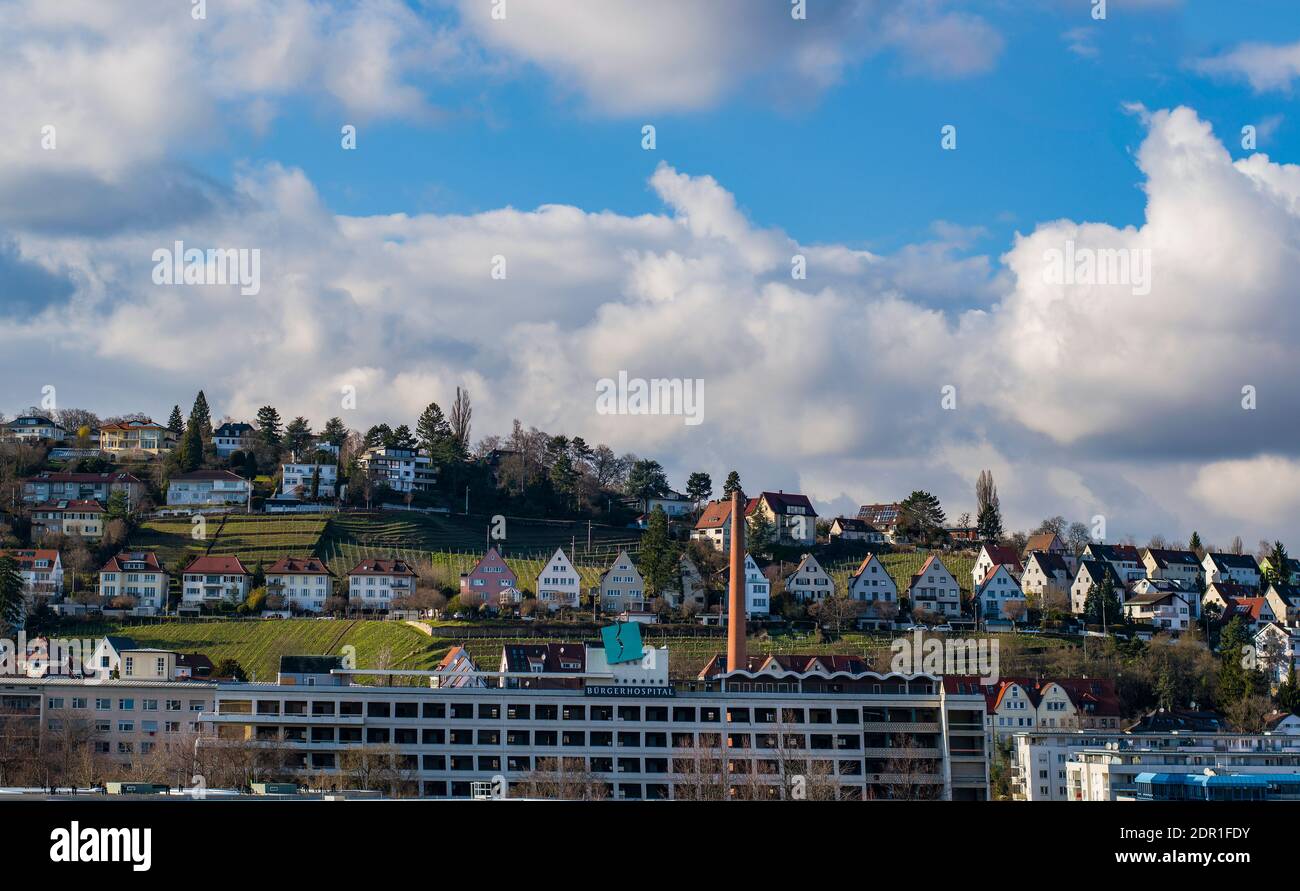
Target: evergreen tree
(989,524)
(268,425)
(435,435)
(1277,561)
(189,456)
(1102,607)
(1236,679)
(658,557)
(202,416)
(176,424)
(732,484)
(335,432)
(645,480)
(921,518)
(401,438)
(376,436)
(13,603)
(117,507)
(298,436)
(1195,544)
(699,487)
(760,533)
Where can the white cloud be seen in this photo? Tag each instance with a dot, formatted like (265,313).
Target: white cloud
(625,56)
(1258,490)
(1265,66)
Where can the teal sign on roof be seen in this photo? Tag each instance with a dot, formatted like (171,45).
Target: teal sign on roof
(622,642)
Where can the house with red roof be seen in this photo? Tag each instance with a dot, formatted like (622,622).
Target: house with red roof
(374,583)
(41,569)
(991,555)
(49,485)
(935,590)
(211,579)
(305,583)
(1018,705)
(136,437)
(135,574)
(873,586)
(76,519)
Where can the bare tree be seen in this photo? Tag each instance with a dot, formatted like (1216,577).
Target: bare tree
(461,412)
(564,779)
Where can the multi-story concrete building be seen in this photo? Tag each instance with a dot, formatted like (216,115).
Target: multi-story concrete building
(402,470)
(849,734)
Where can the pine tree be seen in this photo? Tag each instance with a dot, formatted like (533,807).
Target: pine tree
(699,487)
(989,524)
(189,456)
(176,423)
(658,560)
(435,434)
(760,533)
(378,435)
(297,436)
(732,484)
(1277,562)
(1195,545)
(201,415)
(335,432)
(401,438)
(268,425)
(13,603)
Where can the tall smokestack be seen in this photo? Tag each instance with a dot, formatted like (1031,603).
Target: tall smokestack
(737,657)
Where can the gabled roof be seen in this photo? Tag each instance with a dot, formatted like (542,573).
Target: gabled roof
(784,663)
(1287,592)
(120,644)
(992,573)
(148,558)
(380,566)
(298,566)
(1165,557)
(925,567)
(855,524)
(1003,555)
(1230,590)
(718,513)
(808,562)
(1225,562)
(222,564)
(781,502)
(1094,696)
(881,514)
(1245,607)
(550,657)
(1041,541)
(146,424)
(1162,721)
(1155,595)
(84,505)
(1049,562)
(454,655)
(1096,569)
(1115,553)
(233,429)
(26,557)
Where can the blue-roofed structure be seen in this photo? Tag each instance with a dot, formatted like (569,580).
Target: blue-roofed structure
(1217,787)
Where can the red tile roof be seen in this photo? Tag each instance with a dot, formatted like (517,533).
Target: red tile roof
(26,558)
(298,566)
(148,558)
(226,564)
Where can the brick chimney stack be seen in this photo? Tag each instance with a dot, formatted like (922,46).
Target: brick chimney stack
(737,657)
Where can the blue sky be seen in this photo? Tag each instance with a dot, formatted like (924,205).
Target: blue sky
(1042,135)
(775,138)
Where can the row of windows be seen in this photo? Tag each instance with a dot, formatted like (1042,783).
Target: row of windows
(124,704)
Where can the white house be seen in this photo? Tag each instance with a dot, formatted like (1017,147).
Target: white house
(213,579)
(1182,566)
(303,582)
(758,590)
(1240,569)
(1284,600)
(208,488)
(308,480)
(999,595)
(31,428)
(873,585)
(675,504)
(1093,572)
(991,556)
(809,582)
(1124,559)
(558,584)
(232,437)
(1191,594)
(1045,572)
(135,574)
(935,590)
(1275,651)
(1165,609)
(374,584)
(792,515)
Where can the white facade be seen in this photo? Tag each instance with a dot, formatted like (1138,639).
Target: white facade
(758,590)
(402,470)
(137,579)
(999,596)
(873,585)
(207,489)
(1235,568)
(295,477)
(935,589)
(302,591)
(809,583)
(558,584)
(375,588)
